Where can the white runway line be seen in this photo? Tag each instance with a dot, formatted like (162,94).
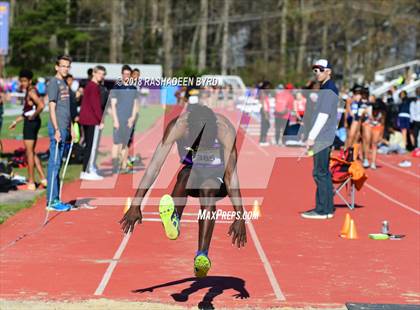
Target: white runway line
(108,273)
(391,199)
(269,271)
(398,169)
(152,219)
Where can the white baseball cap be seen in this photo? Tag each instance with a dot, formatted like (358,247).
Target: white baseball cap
(322,63)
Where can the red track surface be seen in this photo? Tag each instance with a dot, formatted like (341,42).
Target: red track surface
(69,257)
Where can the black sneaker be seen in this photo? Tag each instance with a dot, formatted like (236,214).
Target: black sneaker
(312,214)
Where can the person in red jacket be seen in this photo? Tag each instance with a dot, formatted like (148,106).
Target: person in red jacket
(90,117)
(284,103)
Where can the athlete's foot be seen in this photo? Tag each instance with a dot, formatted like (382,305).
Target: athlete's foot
(31,186)
(169,217)
(365,163)
(202,264)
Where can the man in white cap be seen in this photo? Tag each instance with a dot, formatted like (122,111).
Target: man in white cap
(320,138)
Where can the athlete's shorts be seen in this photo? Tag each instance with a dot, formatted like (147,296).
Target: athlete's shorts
(377,128)
(403,122)
(31,128)
(199,176)
(122,135)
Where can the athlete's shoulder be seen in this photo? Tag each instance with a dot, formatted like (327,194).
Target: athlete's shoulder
(226,131)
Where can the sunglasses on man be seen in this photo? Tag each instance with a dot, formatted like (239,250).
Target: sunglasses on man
(318,70)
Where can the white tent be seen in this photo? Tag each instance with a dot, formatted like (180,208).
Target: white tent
(113,71)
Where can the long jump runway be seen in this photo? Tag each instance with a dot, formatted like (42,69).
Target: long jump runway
(288,261)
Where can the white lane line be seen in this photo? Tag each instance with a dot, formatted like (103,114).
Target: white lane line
(108,273)
(273,281)
(398,169)
(151,219)
(267,266)
(392,199)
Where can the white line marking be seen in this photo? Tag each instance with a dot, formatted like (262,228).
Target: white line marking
(152,219)
(398,169)
(391,199)
(108,273)
(268,270)
(183,213)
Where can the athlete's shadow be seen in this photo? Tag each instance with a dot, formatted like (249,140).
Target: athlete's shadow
(216,285)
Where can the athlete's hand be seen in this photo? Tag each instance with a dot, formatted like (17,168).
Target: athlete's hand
(130,218)
(12,125)
(238,233)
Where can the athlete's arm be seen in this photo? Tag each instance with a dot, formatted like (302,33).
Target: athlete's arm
(174,131)
(231,176)
(39,103)
(114,113)
(227,138)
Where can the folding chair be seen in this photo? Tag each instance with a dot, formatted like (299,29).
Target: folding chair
(347,173)
(341,176)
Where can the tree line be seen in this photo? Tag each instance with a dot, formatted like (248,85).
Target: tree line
(266,39)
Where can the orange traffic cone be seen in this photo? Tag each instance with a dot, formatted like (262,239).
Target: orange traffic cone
(256,209)
(346,226)
(352,234)
(127,205)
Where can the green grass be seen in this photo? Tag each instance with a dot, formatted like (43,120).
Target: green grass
(147,118)
(8,210)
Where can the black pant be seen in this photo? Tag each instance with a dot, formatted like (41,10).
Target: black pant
(324,186)
(416,129)
(279,123)
(265,125)
(89,135)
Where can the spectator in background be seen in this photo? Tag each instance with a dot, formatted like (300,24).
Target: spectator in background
(404,116)
(60,121)
(41,87)
(395,142)
(32,108)
(90,117)
(73,99)
(124,107)
(299,105)
(415,118)
(373,128)
(135,74)
(354,118)
(284,101)
(320,138)
(89,74)
(264,111)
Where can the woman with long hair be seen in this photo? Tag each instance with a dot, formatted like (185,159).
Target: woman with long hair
(372,129)
(353,118)
(32,108)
